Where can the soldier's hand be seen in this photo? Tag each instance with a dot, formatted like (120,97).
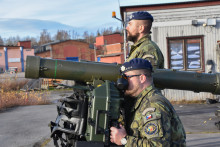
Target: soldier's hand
(117,134)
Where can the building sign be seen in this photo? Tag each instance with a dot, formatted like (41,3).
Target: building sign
(14,60)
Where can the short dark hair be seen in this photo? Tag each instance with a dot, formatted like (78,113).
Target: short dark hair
(145,72)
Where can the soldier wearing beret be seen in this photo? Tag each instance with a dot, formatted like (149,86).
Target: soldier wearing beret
(138,31)
(151,120)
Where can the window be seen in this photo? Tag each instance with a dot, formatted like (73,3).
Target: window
(186,53)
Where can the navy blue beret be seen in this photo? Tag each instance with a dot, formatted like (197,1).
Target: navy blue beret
(135,64)
(141,15)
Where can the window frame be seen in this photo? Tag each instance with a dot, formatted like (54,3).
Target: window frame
(184,40)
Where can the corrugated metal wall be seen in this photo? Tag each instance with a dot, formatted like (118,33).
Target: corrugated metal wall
(178,22)
(211,35)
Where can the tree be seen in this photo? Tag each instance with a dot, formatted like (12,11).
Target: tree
(107,31)
(89,38)
(118,30)
(98,33)
(33,40)
(86,36)
(62,35)
(12,40)
(92,38)
(75,35)
(44,37)
(1,41)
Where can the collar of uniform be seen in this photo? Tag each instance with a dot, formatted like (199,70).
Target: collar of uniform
(142,95)
(138,43)
(145,37)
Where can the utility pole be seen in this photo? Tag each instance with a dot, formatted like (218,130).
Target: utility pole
(95,53)
(124,30)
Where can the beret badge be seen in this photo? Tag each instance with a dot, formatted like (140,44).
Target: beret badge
(136,64)
(123,68)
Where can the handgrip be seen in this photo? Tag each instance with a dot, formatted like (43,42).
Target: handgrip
(98,129)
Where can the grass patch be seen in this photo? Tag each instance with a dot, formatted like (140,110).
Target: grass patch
(10,94)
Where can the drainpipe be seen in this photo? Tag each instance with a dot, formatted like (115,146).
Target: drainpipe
(22,59)
(125,39)
(6,58)
(95,53)
(51,52)
(218,55)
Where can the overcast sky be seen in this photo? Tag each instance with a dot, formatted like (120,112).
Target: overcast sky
(77,13)
(86,14)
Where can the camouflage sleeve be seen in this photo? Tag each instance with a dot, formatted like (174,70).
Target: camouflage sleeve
(121,120)
(151,55)
(154,132)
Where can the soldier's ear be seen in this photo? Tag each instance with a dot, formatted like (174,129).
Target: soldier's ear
(141,28)
(143,78)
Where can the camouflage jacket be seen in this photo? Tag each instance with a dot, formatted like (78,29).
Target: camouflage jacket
(147,49)
(153,122)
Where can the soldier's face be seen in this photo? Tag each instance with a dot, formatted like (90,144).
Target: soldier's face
(132,31)
(133,84)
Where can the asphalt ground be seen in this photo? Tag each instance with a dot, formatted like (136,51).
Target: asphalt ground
(199,123)
(27,126)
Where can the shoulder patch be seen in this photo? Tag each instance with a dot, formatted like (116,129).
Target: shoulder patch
(148,110)
(148,56)
(151,129)
(150,117)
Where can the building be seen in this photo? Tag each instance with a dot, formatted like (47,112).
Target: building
(108,39)
(110,48)
(13,57)
(67,50)
(188,34)
(112,58)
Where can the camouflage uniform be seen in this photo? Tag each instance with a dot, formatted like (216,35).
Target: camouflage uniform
(153,122)
(147,49)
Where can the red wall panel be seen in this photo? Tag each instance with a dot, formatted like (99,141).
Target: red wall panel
(113,59)
(25,44)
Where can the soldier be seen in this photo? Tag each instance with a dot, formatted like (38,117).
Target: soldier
(138,31)
(151,120)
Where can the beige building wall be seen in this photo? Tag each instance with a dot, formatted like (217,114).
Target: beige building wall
(14,58)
